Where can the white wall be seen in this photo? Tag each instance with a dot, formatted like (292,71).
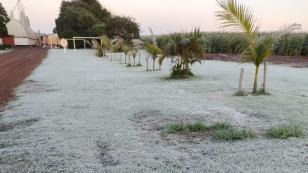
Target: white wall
(24,41)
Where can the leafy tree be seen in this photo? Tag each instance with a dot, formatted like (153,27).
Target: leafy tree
(4,19)
(240,18)
(81,18)
(124,27)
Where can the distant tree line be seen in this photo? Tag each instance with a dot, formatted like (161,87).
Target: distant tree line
(90,18)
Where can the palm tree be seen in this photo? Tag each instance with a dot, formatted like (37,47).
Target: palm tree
(126,50)
(239,18)
(187,49)
(154,52)
(137,45)
(105,44)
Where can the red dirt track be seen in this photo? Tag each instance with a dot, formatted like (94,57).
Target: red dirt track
(15,67)
(292,61)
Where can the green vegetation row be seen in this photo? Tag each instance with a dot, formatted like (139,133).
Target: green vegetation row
(227,132)
(292,44)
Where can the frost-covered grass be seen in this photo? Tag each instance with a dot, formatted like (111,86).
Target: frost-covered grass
(285,131)
(232,134)
(96,115)
(219,131)
(186,128)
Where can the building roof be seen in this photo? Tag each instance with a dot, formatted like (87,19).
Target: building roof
(19,30)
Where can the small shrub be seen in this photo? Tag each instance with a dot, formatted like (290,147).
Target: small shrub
(138,65)
(129,65)
(285,131)
(231,134)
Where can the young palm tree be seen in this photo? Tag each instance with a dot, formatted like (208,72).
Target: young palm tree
(239,18)
(106,44)
(126,50)
(187,49)
(137,45)
(154,51)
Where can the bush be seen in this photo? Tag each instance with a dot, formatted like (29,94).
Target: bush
(285,131)
(231,134)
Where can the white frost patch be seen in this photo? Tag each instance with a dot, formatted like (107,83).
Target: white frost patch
(84,108)
(221,114)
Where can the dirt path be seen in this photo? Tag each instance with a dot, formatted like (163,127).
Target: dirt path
(15,66)
(292,61)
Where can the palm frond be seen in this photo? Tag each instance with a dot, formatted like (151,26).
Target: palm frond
(237,17)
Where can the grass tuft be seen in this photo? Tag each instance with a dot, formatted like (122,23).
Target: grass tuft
(129,65)
(186,128)
(219,131)
(261,92)
(232,134)
(220,126)
(285,131)
(240,94)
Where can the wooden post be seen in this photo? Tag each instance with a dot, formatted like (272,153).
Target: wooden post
(240,84)
(74,43)
(265,76)
(147,61)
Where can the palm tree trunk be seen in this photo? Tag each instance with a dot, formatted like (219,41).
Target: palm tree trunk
(139,59)
(147,61)
(255,83)
(153,64)
(125,59)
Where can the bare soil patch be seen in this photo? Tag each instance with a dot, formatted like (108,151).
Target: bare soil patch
(292,61)
(16,66)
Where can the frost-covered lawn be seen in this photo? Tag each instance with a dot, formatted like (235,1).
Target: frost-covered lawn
(79,113)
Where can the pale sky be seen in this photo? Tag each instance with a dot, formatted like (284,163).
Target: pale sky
(166,16)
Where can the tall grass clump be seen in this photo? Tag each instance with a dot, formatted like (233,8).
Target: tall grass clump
(285,131)
(232,134)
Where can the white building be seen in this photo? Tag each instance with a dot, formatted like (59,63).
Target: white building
(19,27)
(23,35)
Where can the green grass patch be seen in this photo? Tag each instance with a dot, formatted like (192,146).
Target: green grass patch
(219,131)
(285,131)
(186,128)
(220,126)
(261,92)
(240,94)
(231,134)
